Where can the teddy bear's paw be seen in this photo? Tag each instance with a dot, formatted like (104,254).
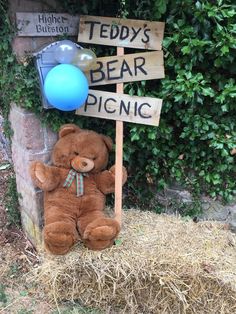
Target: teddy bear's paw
(40,172)
(124,173)
(102,229)
(59,237)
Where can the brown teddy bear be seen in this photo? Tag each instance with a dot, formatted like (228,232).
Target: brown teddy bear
(75,187)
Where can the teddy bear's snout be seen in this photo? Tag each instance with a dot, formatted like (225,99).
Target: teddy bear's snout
(82,164)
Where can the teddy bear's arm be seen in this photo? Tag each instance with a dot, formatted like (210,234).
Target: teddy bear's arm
(106,180)
(45,177)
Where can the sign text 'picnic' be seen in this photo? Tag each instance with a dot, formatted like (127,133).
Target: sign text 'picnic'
(115,106)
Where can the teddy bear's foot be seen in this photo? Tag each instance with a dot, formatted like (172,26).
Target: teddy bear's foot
(59,237)
(98,245)
(101,233)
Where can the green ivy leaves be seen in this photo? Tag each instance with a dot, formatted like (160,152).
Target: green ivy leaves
(197,133)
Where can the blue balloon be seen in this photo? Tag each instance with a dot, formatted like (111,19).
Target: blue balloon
(66,87)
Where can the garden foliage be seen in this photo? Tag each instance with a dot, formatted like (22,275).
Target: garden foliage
(197,134)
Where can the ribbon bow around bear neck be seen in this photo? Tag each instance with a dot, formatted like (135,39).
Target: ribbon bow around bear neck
(79,177)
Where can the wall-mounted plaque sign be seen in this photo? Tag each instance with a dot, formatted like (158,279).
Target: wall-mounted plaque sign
(46,24)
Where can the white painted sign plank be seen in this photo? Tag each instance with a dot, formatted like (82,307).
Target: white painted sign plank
(46,24)
(121,32)
(115,106)
(127,68)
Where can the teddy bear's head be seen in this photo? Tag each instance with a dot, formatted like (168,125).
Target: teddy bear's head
(82,150)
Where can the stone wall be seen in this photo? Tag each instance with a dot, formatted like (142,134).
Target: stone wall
(30,141)
(176,200)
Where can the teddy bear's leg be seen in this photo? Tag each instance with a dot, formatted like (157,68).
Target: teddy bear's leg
(60,236)
(98,232)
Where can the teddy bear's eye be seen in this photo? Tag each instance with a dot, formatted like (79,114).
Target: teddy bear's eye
(94,158)
(76,153)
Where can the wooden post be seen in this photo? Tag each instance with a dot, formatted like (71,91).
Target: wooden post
(119,155)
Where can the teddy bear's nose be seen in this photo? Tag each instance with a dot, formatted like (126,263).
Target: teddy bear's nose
(82,164)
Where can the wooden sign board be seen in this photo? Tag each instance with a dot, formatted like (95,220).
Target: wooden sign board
(121,32)
(127,68)
(122,107)
(46,24)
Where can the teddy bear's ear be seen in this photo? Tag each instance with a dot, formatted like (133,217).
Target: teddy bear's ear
(108,141)
(68,128)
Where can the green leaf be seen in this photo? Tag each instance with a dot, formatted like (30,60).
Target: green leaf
(186,50)
(5,166)
(201,173)
(224,50)
(23,293)
(119,242)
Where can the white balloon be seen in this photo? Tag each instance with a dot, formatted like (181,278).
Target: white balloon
(65,51)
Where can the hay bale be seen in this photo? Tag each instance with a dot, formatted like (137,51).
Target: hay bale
(161,264)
